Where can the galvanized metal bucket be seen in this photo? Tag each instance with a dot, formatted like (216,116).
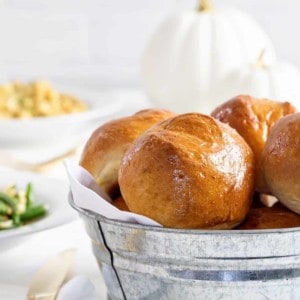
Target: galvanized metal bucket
(142,262)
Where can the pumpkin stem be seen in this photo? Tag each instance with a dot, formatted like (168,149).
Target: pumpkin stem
(205,5)
(260,63)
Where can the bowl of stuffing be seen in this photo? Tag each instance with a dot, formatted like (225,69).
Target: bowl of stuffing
(36,113)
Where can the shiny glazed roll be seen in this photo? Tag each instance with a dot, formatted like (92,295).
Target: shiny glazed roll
(275,217)
(281,161)
(253,119)
(105,148)
(190,171)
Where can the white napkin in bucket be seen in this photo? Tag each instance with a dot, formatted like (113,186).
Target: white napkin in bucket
(88,195)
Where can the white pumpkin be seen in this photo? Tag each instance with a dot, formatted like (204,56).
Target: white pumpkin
(277,81)
(191,52)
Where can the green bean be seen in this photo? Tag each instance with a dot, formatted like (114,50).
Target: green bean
(11,202)
(5,209)
(12,207)
(33,212)
(29,195)
(16,219)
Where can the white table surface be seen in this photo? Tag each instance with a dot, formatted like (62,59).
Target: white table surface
(19,264)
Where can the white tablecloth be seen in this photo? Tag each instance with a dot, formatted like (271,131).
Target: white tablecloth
(18,265)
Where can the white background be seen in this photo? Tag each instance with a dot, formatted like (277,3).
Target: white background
(99,42)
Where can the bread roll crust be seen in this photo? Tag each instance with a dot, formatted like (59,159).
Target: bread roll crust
(253,119)
(281,161)
(120,204)
(190,171)
(275,217)
(105,148)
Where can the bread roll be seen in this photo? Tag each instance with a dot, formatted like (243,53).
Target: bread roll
(281,161)
(253,120)
(106,146)
(190,171)
(120,204)
(270,218)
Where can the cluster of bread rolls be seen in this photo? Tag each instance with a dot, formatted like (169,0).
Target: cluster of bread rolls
(197,171)
(106,147)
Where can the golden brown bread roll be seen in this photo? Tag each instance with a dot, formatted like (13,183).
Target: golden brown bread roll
(190,171)
(253,119)
(120,204)
(105,148)
(270,218)
(281,161)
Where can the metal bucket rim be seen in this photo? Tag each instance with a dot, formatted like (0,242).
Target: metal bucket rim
(101,218)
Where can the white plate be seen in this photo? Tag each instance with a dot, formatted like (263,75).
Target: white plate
(52,192)
(58,129)
(68,131)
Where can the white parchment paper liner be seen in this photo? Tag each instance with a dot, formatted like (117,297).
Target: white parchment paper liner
(88,195)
